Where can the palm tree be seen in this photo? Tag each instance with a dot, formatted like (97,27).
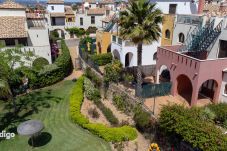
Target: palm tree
(140,23)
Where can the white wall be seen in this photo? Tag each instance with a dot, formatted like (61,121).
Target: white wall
(12,12)
(147,53)
(223,97)
(38,37)
(57,8)
(87,21)
(183,6)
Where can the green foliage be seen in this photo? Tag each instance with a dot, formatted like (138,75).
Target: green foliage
(188,124)
(93,77)
(93,94)
(119,101)
(127,77)
(53,73)
(220,110)
(5,91)
(108,133)
(54,36)
(112,134)
(76,31)
(39,63)
(91,30)
(141,118)
(102,59)
(112,72)
(76,100)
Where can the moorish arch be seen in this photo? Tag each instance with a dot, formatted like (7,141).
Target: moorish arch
(184,87)
(208,89)
(164,74)
(128,59)
(116,54)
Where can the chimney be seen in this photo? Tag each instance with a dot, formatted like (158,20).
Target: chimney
(201,6)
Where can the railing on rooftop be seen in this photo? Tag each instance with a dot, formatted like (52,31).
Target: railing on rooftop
(189,19)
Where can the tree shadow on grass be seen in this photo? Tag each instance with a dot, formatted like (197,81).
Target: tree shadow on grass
(26,105)
(41,140)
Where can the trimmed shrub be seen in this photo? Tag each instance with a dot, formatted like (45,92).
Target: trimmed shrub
(76,100)
(91,30)
(107,133)
(186,123)
(112,134)
(102,59)
(39,63)
(56,72)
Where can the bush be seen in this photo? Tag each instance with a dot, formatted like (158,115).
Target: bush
(112,72)
(76,100)
(93,77)
(91,30)
(93,112)
(141,118)
(108,133)
(102,59)
(186,123)
(220,111)
(93,94)
(39,63)
(119,102)
(113,134)
(53,73)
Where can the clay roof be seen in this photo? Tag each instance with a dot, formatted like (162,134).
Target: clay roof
(69,10)
(11,5)
(57,14)
(96,11)
(215,10)
(55,2)
(12,27)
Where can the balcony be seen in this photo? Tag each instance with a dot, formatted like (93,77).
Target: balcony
(190,19)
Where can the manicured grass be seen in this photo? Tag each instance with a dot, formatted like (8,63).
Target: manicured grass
(50,105)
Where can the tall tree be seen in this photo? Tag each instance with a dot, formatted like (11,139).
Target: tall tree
(140,23)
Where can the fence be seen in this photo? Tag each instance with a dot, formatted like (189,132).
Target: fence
(153,90)
(85,56)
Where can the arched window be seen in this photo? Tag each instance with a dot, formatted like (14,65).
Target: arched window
(167,34)
(155,56)
(181,37)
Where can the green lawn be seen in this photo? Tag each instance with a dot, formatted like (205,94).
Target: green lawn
(50,105)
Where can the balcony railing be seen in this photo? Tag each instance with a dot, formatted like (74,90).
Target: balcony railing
(189,19)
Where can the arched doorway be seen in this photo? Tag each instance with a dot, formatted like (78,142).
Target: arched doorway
(184,87)
(109,48)
(207,89)
(128,59)
(116,54)
(60,33)
(164,74)
(99,48)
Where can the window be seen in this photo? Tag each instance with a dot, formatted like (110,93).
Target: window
(52,7)
(114,38)
(119,41)
(167,34)
(155,56)
(225,90)
(181,38)
(81,21)
(92,19)
(172,8)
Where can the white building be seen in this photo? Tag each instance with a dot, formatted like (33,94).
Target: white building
(18,29)
(127,52)
(60,17)
(177,6)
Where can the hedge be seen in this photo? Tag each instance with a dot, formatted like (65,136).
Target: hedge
(39,63)
(102,59)
(55,72)
(116,134)
(188,124)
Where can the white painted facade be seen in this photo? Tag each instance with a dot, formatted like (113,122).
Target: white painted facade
(182,6)
(56,8)
(223,95)
(37,39)
(121,49)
